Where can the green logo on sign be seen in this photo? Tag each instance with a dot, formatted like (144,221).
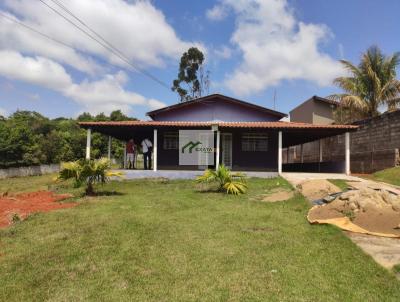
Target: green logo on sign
(191,145)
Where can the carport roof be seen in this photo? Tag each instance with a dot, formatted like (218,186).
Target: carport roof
(266,125)
(293,133)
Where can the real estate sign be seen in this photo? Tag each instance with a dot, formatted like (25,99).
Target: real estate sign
(196,147)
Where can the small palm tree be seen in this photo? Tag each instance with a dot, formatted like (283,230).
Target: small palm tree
(231,183)
(87,172)
(370,84)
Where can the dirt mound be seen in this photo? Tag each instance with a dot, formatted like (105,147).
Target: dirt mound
(277,195)
(317,189)
(376,211)
(26,203)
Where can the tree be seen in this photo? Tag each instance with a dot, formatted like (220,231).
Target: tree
(28,138)
(370,85)
(191,72)
(88,172)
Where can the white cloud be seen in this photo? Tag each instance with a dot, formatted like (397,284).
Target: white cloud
(276,47)
(138,29)
(223,52)
(104,95)
(217,13)
(40,71)
(155,104)
(15,37)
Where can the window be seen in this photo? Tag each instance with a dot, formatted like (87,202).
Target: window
(170,141)
(254,142)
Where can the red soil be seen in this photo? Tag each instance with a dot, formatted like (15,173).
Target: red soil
(26,203)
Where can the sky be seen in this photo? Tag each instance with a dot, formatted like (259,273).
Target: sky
(254,49)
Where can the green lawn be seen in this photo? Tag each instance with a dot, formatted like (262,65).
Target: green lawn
(391,176)
(165,241)
(340,183)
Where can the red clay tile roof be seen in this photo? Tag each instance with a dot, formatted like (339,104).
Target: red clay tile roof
(265,125)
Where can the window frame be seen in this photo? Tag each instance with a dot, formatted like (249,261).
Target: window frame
(254,142)
(168,144)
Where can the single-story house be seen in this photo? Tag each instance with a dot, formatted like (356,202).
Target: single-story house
(241,135)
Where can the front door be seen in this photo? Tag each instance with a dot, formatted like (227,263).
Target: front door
(226,149)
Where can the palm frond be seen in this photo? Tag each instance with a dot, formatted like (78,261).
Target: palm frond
(370,84)
(235,187)
(232,183)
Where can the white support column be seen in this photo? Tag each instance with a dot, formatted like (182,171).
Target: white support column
(280,152)
(320,151)
(217,150)
(155,150)
(347,146)
(109,147)
(88,142)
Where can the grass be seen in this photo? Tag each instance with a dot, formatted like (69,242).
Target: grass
(165,241)
(26,184)
(396,268)
(391,176)
(340,183)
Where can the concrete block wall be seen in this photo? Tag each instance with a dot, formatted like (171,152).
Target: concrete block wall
(29,171)
(374,146)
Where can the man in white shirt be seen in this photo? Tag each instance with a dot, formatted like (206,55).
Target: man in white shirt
(147,148)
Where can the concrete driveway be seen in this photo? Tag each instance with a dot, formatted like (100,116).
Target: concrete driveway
(296,178)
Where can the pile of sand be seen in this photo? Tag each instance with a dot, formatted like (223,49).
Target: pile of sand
(317,189)
(373,210)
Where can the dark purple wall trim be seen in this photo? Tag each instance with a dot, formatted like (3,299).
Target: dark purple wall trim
(218,110)
(242,161)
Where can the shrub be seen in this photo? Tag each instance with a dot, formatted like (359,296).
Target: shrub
(231,183)
(87,172)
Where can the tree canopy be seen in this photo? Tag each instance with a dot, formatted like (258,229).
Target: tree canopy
(29,138)
(370,85)
(191,73)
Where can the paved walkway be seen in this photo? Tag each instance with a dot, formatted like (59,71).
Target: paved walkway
(295,178)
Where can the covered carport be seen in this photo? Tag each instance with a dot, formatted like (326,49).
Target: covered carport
(285,134)
(296,140)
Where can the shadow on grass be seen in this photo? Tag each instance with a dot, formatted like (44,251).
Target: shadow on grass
(102,193)
(207,188)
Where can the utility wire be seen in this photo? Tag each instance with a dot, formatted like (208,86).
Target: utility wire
(34,30)
(105,44)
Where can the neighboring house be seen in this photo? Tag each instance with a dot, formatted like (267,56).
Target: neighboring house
(316,110)
(245,136)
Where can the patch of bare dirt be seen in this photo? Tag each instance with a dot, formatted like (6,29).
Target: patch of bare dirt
(317,189)
(277,194)
(26,203)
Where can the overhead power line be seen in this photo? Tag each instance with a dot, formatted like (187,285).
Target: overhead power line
(100,40)
(34,30)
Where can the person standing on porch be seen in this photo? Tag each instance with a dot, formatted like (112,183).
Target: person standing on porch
(147,148)
(130,154)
